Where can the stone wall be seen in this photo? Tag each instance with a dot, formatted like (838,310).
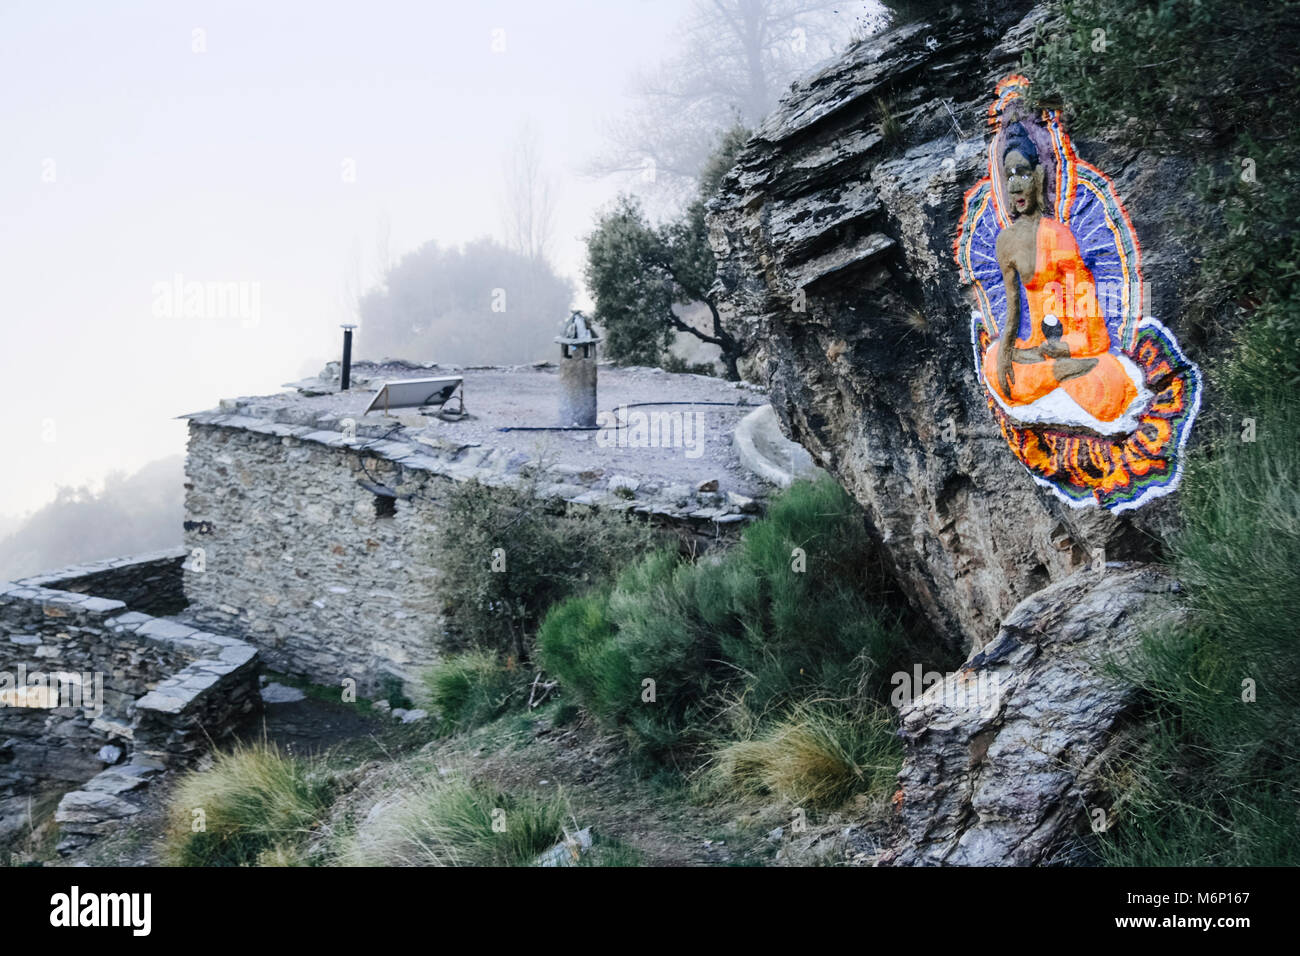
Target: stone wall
(320,548)
(150,583)
(140,683)
(291,552)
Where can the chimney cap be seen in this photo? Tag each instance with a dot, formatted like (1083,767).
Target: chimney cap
(577,331)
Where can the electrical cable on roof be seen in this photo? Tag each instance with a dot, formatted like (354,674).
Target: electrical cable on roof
(617,424)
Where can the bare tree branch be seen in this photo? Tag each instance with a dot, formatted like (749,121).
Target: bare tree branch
(529,204)
(734,58)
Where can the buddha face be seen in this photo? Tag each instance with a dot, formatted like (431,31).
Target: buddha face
(1024,183)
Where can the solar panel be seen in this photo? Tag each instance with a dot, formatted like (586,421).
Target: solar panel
(414,392)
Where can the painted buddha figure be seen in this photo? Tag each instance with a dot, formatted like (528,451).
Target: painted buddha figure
(1068,351)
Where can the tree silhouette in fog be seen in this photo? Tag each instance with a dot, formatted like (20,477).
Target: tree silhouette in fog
(477,304)
(135,513)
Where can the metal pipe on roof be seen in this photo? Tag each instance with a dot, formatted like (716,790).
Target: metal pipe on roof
(345,379)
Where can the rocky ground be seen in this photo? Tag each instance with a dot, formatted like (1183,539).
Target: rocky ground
(665,818)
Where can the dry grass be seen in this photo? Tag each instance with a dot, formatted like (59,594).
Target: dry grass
(255,805)
(818,756)
(449,821)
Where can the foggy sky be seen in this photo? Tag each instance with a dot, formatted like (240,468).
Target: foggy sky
(133,159)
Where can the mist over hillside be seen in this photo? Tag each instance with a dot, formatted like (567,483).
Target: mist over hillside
(132,513)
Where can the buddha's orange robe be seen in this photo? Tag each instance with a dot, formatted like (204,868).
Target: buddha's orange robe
(1063,286)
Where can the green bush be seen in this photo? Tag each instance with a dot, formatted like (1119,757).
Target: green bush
(676,364)
(1214,79)
(1256,264)
(1217,780)
(748,628)
(474,688)
(257,806)
(1214,779)
(908,11)
(1172,73)
(548,556)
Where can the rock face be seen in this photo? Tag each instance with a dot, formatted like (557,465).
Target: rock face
(834,235)
(1001,756)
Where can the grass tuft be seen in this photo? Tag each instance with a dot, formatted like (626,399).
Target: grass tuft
(473,688)
(254,805)
(449,821)
(818,756)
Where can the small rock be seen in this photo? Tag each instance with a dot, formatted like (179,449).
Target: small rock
(568,851)
(411,716)
(624,482)
(746,505)
(110,781)
(143,766)
(710,485)
(400,713)
(109,754)
(71,843)
(88,806)
(382,706)
(775,835)
(280,694)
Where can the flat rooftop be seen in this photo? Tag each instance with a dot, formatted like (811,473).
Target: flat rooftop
(493,442)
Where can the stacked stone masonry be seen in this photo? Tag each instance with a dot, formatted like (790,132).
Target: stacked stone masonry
(85,682)
(292,549)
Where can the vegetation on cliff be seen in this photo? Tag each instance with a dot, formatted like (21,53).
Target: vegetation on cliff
(1216,779)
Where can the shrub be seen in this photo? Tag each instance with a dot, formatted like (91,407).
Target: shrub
(1255,264)
(679,365)
(817,756)
(473,688)
(258,804)
(1172,73)
(749,625)
(548,555)
(1215,782)
(577,645)
(450,822)
(1214,779)
(907,11)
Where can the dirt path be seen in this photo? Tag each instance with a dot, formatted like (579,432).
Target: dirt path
(653,812)
(664,819)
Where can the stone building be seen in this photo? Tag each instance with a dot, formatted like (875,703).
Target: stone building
(311,534)
(312,525)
